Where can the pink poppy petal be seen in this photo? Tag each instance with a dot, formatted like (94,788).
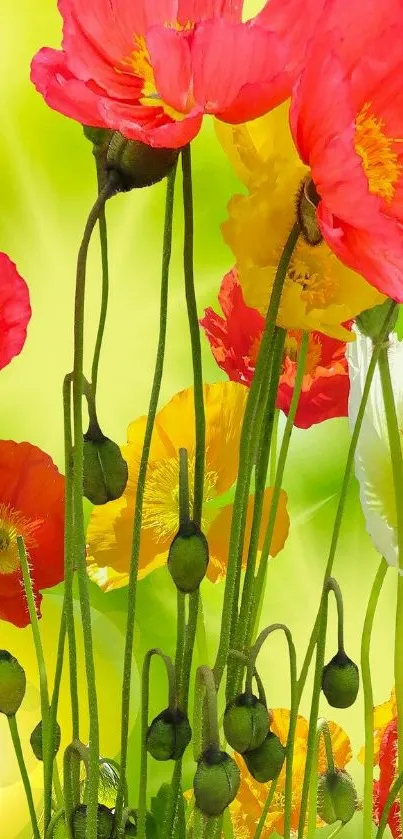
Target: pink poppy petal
(195,10)
(170,57)
(63,92)
(15,311)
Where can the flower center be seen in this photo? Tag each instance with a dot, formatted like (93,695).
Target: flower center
(317,289)
(161,497)
(13,524)
(380,159)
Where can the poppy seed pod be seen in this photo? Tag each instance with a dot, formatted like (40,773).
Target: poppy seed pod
(105,470)
(12,684)
(265,762)
(216,781)
(105,822)
(307,202)
(340,681)
(188,557)
(337,797)
(169,735)
(246,722)
(37,742)
(136,164)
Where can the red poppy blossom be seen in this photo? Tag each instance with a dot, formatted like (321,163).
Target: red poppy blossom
(347,122)
(15,311)
(235,340)
(31,506)
(387,775)
(152,69)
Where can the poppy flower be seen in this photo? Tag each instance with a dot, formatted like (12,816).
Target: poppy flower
(110,530)
(387,776)
(347,122)
(152,70)
(320,293)
(235,341)
(15,311)
(251,799)
(31,506)
(373,465)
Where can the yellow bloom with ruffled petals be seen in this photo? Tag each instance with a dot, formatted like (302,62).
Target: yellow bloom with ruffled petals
(109,535)
(320,293)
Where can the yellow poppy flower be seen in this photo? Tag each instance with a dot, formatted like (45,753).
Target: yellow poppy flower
(109,534)
(247,808)
(320,293)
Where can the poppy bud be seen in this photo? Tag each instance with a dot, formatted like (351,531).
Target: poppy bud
(137,164)
(216,781)
(37,744)
(246,722)
(372,320)
(340,681)
(105,822)
(265,762)
(188,557)
(337,797)
(105,470)
(307,202)
(12,684)
(168,735)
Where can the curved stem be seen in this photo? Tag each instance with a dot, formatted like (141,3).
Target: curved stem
(332,585)
(266,808)
(369,698)
(205,689)
(73,755)
(322,729)
(12,722)
(60,814)
(394,791)
(336,831)
(249,435)
(396,454)
(138,511)
(245,660)
(103,237)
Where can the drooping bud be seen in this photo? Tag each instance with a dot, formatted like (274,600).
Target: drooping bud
(105,470)
(12,684)
(37,741)
(337,797)
(105,822)
(340,681)
(137,164)
(372,320)
(265,762)
(169,735)
(246,722)
(188,557)
(307,202)
(216,781)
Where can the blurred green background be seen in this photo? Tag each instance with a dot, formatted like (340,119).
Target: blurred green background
(47,187)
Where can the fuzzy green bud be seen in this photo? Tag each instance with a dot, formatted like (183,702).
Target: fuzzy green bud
(337,797)
(136,164)
(265,762)
(105,822)
(340,681)
(169,735)
(246,722)
(188,557)
(12,684)
(105,470)
(307,202)
(372,320)
(216,781)
(37,741)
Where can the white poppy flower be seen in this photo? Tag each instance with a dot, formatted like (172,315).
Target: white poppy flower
(373,465)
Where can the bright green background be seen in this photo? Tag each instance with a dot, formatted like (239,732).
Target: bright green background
(47,186)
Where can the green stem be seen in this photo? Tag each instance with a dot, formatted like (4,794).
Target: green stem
(332,585)
(184,507)
(73,755)
(12,722)
(369,698)
(249,436)
(190,636)
(266,808)
(180,634)
(201,637)
(43,679)
(60,814)
(345,484)
(200,422)
(273,450)
(336,831)
(78,514)
(205,690)
(103,237)
(394,791)
(396,453)
(138,511)
(227,825)
(321,730)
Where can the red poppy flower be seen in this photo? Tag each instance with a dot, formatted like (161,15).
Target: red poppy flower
(347,122)
(152,69)
(235,340)
(32,506)
(387,775)
(15,311)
